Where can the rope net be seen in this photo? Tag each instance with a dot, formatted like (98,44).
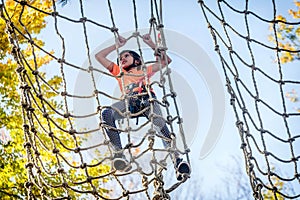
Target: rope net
(64,163)
(66,160)
(267,125)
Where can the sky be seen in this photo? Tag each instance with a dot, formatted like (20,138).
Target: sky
(205,107)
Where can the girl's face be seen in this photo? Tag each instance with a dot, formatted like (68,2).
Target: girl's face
(126,59)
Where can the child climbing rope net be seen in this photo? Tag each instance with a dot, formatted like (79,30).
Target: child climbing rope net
(139,96)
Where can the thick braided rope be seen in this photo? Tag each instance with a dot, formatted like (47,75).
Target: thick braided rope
(34,106)
(263,166)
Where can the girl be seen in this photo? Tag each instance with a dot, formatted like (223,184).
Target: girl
(135,83)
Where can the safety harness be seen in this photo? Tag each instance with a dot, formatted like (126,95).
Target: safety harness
(137,100)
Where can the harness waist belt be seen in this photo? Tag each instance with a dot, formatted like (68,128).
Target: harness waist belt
(134,87)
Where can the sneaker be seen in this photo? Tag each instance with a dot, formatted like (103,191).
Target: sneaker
(120,163)
(182,169)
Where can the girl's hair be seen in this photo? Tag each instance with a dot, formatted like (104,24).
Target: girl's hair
(136,59)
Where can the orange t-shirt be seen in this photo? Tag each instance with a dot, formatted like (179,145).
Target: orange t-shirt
(131,76)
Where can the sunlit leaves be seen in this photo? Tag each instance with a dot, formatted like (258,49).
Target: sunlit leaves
(286,36)
(272,193)
(292,96)
(43,92)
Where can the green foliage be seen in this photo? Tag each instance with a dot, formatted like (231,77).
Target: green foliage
(271,194)
(288,36)
(288,39)
(13,156)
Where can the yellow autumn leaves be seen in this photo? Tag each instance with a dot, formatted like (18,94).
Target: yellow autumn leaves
(28,23)
(287,36)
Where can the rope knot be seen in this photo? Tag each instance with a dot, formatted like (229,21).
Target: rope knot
(72,131)
(67,115)
(169,118)
(60,60)
(40,96)
(55,151)
(77,150)
(64,93)
(125,193)
(54,14)
(173,94)
(114,29)
(51,134)
(90,69)
(29,165)
(37,153)
(152,20)
(243,145)
(160,26)
(30,109)
(28,184)
(145,181)
(27,145)
(128,146)
(64,184)
(83,165)
(217,48)
(106,142)
(23,3)
(187,150)
(60,170)
(26,126)
(20,68)
(83,19)
(290,140)
(45,115)
(135,34)
(151,131)
(180,120)
(33,130)
(25,86)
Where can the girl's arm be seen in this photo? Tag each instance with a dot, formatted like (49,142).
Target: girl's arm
(156,66)
(101,56)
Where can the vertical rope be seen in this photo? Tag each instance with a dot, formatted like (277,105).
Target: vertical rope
(47,126)
(262,175)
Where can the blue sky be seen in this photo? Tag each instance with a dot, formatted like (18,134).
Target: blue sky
(186,19)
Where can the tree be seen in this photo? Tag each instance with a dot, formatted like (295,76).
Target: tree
(288,36)
(13,158)
(269,194)
(288,40)
(281,186)
(293,97)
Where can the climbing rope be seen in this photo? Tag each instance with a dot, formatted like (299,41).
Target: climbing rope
(252,105)
(50,130)
(45,135)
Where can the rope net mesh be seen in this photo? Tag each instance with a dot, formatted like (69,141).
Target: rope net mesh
(268,127)
(79,167)
(69,155)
